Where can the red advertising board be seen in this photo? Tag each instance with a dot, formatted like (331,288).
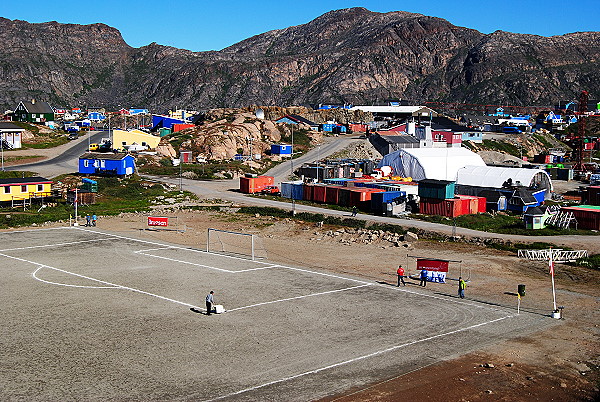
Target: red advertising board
(158,221)
(432,265)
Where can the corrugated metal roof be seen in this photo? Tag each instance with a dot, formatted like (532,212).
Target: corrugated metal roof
(24,180)
(106,156)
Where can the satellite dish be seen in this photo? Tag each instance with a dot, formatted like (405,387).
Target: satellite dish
(260,114)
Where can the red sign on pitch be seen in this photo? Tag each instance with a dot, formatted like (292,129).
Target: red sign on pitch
(158,221)
(432,265)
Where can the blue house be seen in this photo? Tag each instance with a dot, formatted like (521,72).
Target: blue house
(296,119)
(281,149)
(159,121)
(96,116)
(106,164)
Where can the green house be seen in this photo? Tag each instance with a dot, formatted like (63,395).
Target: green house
(535,218)
(33,112)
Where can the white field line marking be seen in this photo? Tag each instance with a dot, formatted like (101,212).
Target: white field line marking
(32,230)
(359,358)
(201,265)
(34,274)
(298,297)
(185,262)
(152,249)
(325,274)
(113,285)
(55,245)
(175,247)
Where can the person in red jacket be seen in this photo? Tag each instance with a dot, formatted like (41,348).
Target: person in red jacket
(400,273)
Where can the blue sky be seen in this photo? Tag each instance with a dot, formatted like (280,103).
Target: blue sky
(212,25)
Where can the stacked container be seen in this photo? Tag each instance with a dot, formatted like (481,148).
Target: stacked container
(380,200)
(476,205)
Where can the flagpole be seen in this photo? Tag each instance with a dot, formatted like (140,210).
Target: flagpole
(518,303)
(552,274)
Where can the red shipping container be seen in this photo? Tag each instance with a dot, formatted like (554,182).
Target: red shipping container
(308,192)
(181,126)
(587,218)
(450,208)
(319,192)
(474,204)
(361,196)
(332,194)
(251,185)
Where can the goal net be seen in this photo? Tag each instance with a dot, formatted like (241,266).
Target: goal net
(236,243)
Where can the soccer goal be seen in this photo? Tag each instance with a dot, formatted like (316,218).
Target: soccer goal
(237,243)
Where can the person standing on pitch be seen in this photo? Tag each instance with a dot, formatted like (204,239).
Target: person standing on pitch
(400,273)
(423,278)
(354,211)
(94,219)
(462,285)
(87,220)
(209,302)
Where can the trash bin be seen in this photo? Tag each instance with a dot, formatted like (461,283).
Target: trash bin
(521,290)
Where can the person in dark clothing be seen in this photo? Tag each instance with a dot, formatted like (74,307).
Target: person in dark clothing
(354,211)
(88,220)
(423,278)
(210,302)
(400,273)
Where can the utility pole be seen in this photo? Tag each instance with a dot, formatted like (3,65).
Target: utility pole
(2,149)
(292,172)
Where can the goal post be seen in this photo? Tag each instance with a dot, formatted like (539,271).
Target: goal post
(237,243)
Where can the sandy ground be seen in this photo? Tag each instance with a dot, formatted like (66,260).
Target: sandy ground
(555,364)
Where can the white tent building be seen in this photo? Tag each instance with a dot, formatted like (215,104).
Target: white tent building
(472,179)
(431,163)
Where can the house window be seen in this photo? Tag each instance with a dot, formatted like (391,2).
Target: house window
(124,143)
(86,163)
(7,190)
(23,189)
(143,143)
(40,187)
(102,163)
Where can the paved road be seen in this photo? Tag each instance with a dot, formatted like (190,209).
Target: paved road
(329,146)
(62,159)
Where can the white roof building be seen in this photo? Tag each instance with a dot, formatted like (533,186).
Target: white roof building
(431,163)
(495,177)
(422,111)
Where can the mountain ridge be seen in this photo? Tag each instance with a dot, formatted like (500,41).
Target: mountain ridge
(344,56)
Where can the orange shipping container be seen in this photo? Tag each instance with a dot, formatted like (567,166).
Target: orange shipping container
(181,126)
(251,185)
(476,205)
(450,208)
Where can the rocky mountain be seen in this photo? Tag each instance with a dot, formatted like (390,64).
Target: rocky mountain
(345,56)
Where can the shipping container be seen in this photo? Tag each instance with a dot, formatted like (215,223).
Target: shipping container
(336,181)
(587,216)
(476,205)
(281,149)
(593,195)
(319,192)
(308,191)
(361,197)
(440,189)
(450,208)
(565,174)
(251,185)
(380,199)
(292,189)
(344,197)
(332,194)
(180,126)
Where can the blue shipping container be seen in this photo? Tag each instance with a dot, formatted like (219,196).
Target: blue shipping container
(293,190)
(378,200)
(281,149)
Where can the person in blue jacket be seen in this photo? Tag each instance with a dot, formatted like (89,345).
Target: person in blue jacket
(423,278)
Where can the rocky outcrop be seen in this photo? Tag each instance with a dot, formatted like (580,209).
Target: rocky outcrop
(345,56)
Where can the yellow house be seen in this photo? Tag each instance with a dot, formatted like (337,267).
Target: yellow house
(123,139)
(24,189)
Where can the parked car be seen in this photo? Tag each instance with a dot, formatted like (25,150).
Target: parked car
(73,136)
(511,130)
(94,147)
(272,190)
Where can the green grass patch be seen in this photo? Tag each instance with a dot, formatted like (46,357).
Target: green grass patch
(205,171)
(592,261)
(14,174)
(502,146)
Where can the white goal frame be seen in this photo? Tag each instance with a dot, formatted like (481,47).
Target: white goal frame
(252,240)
